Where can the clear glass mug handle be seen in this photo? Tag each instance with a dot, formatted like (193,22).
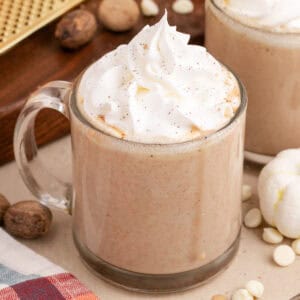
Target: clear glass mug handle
(45,186)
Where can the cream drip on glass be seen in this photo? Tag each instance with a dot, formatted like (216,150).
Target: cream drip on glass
(274,15)
(158,89)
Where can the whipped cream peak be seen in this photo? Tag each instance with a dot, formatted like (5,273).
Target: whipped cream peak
(158,89)
(275,15)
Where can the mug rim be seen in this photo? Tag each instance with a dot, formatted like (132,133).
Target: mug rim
(261,30)
(73,106)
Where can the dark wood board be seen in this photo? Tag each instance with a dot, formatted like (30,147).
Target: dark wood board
(39,59)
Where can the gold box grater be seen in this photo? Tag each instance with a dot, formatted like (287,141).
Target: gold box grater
(20,18)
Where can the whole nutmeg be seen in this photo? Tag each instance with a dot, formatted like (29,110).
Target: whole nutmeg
(27,219)
(4,205)
(76,28)
(118,15)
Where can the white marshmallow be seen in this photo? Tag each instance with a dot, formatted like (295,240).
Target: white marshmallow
(288,211)
(279,190)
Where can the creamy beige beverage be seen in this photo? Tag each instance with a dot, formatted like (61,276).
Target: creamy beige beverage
(157,134)
(260,41)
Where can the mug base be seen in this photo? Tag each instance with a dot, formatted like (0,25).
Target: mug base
(260,159)
(156,283)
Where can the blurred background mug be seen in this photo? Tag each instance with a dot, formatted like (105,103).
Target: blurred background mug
(268,63)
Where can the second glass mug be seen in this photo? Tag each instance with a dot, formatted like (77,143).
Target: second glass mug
(147,217)
(268,63)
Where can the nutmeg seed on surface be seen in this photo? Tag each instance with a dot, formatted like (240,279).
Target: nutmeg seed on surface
(76,28)
(118,15)
(27,219)
(4,205)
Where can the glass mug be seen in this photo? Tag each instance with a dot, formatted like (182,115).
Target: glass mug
(268,63)
(147,217)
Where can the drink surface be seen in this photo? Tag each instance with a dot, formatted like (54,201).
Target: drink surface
(273,15)
(158,89)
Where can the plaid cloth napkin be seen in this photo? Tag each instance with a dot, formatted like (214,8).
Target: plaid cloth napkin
(25,275)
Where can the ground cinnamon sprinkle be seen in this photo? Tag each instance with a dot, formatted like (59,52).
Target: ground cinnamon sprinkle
(101,117)
(118,130)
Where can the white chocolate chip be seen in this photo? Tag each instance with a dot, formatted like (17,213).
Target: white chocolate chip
(149,8)
(296,246)
(183,6)
(242,294)
(272,236)
(283,255)
(253,218)
(246,192)
(255,288)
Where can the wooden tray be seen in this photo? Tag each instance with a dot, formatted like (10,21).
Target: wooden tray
(39,59)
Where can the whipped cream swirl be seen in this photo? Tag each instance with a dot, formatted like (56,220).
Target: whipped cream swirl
(158,89)
(275,15)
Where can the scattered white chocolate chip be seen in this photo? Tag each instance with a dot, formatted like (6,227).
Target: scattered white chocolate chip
(253,218)
(272,236)
(149,8)
(296,246)
(283,255)
(246,192)
(242,294)
(255,288)
(183,6)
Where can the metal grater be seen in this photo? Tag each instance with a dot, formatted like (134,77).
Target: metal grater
(20,18)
